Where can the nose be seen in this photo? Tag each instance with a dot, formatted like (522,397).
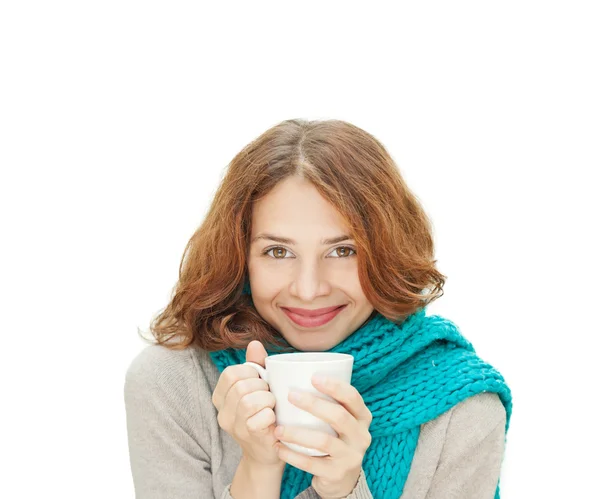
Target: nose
(309,283)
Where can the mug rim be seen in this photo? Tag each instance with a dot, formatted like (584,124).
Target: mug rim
(341,357)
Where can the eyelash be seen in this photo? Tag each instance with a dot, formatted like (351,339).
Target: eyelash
(334,249)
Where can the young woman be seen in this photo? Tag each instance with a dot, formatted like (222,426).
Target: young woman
(313,242)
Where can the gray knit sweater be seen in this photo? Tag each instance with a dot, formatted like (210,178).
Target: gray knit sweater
(178,450)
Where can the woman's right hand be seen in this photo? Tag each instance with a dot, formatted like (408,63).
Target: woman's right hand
(245,408)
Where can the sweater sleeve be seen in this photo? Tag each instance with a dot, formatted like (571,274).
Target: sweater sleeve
(361,490)
(473,449)
(162,426)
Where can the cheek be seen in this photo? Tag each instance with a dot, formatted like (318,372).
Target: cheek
(263,294)
(351,286)
(268,275)
(265,285)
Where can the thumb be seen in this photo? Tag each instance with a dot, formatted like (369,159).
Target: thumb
(256,352)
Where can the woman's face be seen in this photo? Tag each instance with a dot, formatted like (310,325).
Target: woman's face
(304,272)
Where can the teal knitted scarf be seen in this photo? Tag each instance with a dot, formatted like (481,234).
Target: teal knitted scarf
(407,374)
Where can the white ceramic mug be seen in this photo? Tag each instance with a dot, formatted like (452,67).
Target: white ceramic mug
(293,372)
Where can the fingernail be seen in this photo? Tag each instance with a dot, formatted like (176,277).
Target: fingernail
(320,379)
(295,396)
(279,431)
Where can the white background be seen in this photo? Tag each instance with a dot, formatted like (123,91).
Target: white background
(118,118)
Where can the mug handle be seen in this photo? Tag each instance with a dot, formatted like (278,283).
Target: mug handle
(262,372)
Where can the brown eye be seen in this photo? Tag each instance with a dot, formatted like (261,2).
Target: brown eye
(280,253)
(345,251)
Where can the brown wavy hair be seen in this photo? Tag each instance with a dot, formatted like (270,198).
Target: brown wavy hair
(354,172)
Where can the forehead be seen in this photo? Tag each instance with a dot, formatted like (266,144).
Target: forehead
(296,205)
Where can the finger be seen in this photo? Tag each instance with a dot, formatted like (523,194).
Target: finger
(262,421)
(345,394)
(239,392)
(255,352)
(254,401)
(228,378)
(313,439)
(344,423)
(320,466)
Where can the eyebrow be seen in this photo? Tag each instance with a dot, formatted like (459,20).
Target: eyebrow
(285,240)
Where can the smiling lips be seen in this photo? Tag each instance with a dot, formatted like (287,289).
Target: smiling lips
(312,318)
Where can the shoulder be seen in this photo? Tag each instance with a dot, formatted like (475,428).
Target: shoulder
(176,380)
(156,365)
(473,429)
(477,416)
(468,422)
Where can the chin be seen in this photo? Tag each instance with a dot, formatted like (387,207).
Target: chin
(307,344)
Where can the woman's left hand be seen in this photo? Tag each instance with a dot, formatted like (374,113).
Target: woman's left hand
(336,475)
